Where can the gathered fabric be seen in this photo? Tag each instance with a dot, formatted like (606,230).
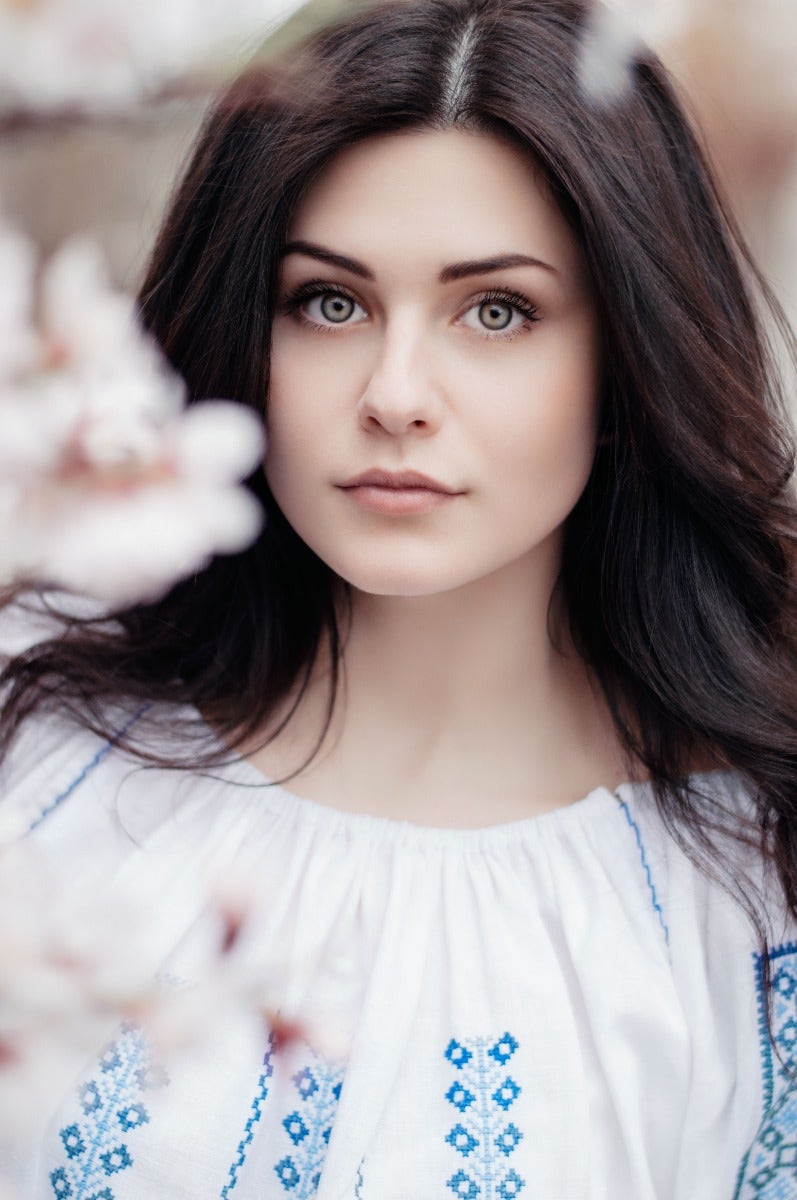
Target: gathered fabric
(558,1008)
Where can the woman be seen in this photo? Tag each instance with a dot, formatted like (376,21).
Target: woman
(519,632)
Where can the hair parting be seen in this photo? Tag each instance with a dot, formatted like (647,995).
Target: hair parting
(454,97)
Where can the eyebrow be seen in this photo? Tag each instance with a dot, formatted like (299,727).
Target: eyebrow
(449,274)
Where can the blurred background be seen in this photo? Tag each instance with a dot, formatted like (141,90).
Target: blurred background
(109,173)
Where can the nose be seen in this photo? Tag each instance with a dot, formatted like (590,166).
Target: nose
(401,394)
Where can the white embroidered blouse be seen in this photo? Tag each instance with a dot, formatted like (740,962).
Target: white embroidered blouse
(560,1008)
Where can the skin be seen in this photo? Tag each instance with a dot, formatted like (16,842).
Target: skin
(457,709)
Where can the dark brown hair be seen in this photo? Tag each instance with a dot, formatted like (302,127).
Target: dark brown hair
(678,563)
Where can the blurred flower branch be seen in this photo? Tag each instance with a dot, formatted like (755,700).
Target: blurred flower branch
(110,487)
(71,978)
(104,55)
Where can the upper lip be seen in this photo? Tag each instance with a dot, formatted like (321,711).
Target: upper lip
(397,480)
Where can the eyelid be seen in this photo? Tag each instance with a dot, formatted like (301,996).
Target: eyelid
(508,296)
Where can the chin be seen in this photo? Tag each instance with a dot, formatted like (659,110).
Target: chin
(398,589)
(398,584)
(401,579)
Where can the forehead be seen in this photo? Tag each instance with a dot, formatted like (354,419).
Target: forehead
(435,196)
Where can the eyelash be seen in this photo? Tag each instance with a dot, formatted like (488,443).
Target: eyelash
(514,300)
(292,305)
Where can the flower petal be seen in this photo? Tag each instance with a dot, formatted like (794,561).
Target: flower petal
(218,441)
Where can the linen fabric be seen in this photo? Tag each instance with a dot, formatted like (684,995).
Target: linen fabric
(559,1008)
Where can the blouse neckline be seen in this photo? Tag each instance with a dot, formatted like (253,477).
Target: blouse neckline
(601,802)
(337,821)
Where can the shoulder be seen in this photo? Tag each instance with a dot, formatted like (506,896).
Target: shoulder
(707,863)
(60,758)
(38,616)
(50,760)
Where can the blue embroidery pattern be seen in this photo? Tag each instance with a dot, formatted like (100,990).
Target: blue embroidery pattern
(308,1126)
(646,867)
(255,1113)
(318,1087)
(103,751)
(482,1094)
(111,1107)
(769,1169)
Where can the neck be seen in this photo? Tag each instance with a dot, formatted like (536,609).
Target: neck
(461,657)
(460,692)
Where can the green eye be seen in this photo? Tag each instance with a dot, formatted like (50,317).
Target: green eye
(336,308)
(494,315)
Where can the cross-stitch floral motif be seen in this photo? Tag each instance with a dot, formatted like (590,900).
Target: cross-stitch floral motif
(112,1105)
(482,1094)
(308,1126)
(769,1169)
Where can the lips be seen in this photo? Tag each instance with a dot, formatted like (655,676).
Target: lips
(396,494)
(398,481)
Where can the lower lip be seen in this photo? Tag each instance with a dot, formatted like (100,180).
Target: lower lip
(397,501)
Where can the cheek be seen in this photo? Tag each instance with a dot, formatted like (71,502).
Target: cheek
(296,410)
(313,379)
(545,430)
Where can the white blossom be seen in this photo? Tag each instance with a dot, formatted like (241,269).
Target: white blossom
(51,1006)
(72,972)
(106,54)
(17,278)
(615,33)
(109,485)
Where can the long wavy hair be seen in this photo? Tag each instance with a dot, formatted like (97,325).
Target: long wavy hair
(678,567)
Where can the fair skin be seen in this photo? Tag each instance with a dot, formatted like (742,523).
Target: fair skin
(421,353)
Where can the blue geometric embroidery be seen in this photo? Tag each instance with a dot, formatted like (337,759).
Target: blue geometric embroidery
(58,800)
(111,1107)
(643,858)
(769,1169)
(255,1113)
(482,1094)
(309,1125)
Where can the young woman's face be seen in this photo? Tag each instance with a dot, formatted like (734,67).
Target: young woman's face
(435,316)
